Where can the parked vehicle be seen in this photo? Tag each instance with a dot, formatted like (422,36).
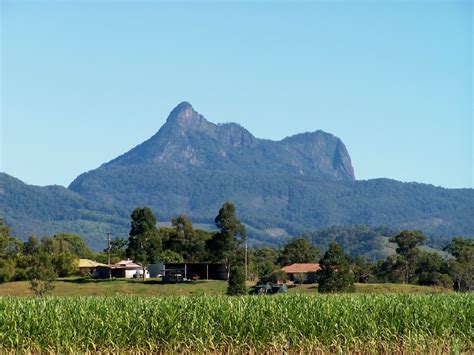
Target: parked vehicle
(173,277)
(269,288)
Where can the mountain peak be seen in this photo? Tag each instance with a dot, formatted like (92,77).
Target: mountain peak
(183,112)
(183,118)
(187,140)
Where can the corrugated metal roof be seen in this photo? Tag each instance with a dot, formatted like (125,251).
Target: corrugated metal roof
(301,267)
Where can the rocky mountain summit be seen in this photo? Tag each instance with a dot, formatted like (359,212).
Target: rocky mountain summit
(187,140)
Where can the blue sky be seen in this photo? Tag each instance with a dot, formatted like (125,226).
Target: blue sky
(85,81)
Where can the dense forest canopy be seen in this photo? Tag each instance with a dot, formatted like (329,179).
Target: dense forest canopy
(273,209)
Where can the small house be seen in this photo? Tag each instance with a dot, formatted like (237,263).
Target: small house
(301,272)
(123,269)
(128,269)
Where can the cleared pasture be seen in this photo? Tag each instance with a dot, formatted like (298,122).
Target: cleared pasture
(89,287)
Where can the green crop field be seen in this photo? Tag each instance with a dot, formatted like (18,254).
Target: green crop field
(292,323)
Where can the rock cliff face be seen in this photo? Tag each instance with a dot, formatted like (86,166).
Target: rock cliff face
(187,140)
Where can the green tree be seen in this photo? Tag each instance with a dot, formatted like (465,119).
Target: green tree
(198,251)
(10,250)
(64,251)
(9,246)
(236,285)
(77,246)
(144,242)
(41,274)
(392,269)
(263,261)
(362,268)
(170,256)
(64,264)
(31,245)
(7,270)
(4,230)
(226,245)
(407,250)
(432,270)
(461,248)
(335,274)
(66,243)
(186,241)
(183,226)
(22,265)
(181,235)
(461,268)
(118,248)
(299,250)
(407,241)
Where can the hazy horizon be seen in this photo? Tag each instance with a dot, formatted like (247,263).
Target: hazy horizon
(82,83)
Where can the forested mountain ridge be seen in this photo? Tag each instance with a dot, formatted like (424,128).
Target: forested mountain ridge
(47,210)
(191,166)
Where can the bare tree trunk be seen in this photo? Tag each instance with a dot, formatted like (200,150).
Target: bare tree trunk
(406,271)
(227,268)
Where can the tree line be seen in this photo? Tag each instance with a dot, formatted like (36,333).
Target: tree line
(57,256)
(40,261)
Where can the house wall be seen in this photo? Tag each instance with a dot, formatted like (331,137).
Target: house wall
(310,277)
(119,273)
(130,273)
(137,271)
(156,269)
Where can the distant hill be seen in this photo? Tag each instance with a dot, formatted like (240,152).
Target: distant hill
(192,166)
(34,210)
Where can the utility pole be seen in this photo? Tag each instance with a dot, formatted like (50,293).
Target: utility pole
(406,271)
(246,260)
(108,247)
(108,254)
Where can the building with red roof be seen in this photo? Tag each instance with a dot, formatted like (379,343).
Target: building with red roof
(302,272)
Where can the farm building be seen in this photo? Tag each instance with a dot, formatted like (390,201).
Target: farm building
(174,272)
(87,267)
(171,272)
(302,272)
(156,270)
(123,269)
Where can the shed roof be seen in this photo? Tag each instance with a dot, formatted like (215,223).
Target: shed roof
(86,263)
(301,267)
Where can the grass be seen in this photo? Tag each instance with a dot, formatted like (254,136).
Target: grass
(87,287)
(403,323)
(90,287)
(375,288)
